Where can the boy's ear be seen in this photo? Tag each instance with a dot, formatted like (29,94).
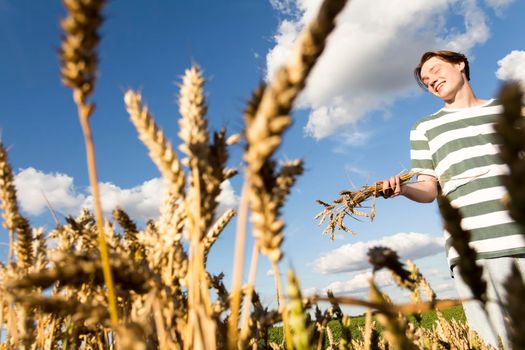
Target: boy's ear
(461,66)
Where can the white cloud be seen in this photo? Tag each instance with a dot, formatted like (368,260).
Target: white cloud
(140,202)
(306,292)
(444,287)
(512,67)
(353,257)
(33,187)
(352,136)
(499,5)
(434,272)
(227,198)
(283,6)
(352,169)
(359,283)
(369,58)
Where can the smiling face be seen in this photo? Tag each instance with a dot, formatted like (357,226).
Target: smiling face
(443,79)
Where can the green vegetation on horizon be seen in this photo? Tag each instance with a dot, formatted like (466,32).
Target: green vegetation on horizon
(357,323)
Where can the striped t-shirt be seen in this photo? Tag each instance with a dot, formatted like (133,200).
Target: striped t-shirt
(459,148)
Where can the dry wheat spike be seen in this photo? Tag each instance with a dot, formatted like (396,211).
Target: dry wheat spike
(351,203)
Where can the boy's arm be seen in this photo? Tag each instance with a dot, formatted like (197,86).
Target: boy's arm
(424,190)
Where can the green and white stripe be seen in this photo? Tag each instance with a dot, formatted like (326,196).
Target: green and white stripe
(458,147)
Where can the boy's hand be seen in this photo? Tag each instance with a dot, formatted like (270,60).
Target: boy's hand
(391,187)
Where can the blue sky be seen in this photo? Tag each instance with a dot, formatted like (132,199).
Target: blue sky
(351,124)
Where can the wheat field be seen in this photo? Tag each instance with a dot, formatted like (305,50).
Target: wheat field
(95,282)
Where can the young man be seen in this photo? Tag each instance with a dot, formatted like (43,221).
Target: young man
(455,149)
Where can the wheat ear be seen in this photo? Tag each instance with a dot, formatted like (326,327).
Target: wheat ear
(216,230)
(395,328)
(286,179)
(345,342)
(14,222)
(200,199)
(346,205)
(380,257)
(194,133)
(297,321)
(130,233)
(8,196)
(79,62)
(511,130)
(271,119)
(266,123)
(24,244)
(160,149)
(39,248)
(468,269)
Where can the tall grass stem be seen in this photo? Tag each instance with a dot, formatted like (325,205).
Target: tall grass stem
(84,113)
(240,242)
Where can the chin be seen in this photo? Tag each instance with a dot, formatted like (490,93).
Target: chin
(438,95)
(444,95)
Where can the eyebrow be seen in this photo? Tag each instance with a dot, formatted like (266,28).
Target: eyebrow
(431,70)
(434,67)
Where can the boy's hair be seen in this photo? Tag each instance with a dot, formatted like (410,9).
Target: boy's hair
(448,56)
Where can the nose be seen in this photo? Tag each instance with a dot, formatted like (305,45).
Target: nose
(432,81)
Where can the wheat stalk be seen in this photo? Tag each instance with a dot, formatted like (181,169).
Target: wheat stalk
(513,304)
(78,60)
(244,328)
(240,240)
(369,331)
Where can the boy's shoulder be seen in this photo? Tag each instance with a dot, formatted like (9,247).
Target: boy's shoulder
(421,122)
(427,120)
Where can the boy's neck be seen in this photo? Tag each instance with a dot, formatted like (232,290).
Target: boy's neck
(465,98)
